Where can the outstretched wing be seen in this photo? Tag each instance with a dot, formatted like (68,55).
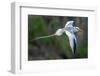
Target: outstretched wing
(69,24)
(72,41)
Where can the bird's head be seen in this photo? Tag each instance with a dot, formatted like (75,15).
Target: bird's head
(59,32)
(78,29)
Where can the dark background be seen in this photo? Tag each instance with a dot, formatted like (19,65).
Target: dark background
(55,47)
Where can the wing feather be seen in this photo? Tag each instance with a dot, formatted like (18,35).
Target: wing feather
(69,24)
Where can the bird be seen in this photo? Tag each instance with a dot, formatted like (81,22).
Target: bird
(70,31)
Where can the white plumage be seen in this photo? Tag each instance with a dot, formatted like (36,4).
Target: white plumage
(70,30)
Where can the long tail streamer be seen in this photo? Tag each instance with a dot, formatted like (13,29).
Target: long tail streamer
(37,38)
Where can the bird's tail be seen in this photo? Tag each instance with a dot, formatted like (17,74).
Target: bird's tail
(37,38)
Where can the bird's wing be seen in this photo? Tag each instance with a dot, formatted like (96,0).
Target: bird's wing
(72,41)
(69,24)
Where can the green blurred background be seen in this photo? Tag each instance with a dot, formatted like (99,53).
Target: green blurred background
(55,47)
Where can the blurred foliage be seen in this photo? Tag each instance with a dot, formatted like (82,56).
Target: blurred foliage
(55,47)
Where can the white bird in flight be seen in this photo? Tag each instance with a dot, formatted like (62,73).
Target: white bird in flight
(70,31)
